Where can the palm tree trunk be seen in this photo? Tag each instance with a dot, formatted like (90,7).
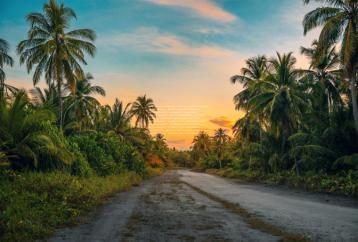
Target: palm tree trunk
(59,85)
(354,101)
(297,168)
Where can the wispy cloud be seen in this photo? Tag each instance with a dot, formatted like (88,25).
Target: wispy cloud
(222,122)
(204,8)
(152,40)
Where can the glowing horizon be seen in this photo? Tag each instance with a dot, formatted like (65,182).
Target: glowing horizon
(179,53)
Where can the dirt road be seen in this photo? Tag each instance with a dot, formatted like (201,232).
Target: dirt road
(187,206)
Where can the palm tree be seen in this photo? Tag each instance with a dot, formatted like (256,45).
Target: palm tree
(221,139)
(81,102)
(251,75)
(120,116)
(24,138)
(201,145)
(280,99)
(247,128)
(255,70)
(5,59)
(143,108)
(324,73)
(56,52)
(160,146)
(45,98)
(340,21)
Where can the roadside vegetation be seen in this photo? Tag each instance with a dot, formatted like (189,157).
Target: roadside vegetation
(300,127)
(61,151)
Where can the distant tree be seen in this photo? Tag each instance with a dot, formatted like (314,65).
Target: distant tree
(221,139)
(144,111)
(202,145)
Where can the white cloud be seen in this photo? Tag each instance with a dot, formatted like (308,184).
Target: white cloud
(152,40)
(204,8)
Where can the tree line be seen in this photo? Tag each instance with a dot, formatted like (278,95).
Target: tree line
(64,126)
(296,120)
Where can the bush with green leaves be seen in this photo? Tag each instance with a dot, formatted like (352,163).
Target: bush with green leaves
(80,165)
(28,138)
(108,154)
(101,162)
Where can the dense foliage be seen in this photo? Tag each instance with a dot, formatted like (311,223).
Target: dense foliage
(297,123)
(61,151)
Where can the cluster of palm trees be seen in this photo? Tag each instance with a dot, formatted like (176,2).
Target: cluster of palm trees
(211,150)
(56,53)
(295,118)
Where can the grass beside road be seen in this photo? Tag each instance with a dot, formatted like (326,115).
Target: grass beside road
(33,205)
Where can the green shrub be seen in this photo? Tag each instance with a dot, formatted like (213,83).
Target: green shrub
(101,162)
(32,205)
(80,165)
(109,154)
(135,162)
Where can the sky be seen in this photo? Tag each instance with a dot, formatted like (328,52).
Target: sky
(181,53)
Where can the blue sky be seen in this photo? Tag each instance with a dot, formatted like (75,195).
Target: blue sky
(179,52)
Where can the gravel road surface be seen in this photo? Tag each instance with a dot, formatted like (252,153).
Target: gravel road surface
(167,209)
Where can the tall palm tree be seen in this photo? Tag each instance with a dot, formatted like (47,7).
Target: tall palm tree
(5,59)
(324,73)
(56,52)
(280,99)
(221,139)
(81,102)
(340,22)
(255,70)
(251,75)
(144,111)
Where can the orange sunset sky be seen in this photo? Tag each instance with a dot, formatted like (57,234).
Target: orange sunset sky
(181,53)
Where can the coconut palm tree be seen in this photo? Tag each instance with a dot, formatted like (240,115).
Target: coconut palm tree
(324,73)
(280,99)
(255,70)
(251,75)
(144,111)
(56,52)
(221,139)
(5,59)
(340,22)
(81,102)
